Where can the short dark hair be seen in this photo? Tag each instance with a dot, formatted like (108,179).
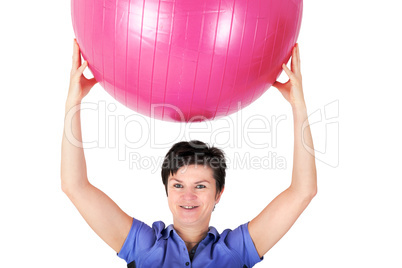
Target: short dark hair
(193,153)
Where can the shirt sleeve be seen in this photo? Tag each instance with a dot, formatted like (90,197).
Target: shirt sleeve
(239,240)
(141,237)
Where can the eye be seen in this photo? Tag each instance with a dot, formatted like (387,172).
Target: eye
(177,186)
(200,186)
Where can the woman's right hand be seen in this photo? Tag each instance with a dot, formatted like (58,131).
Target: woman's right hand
(79,84)
(292,90)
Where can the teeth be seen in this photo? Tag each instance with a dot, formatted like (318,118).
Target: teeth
(188,207)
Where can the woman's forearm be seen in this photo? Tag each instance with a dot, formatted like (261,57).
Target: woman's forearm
(73,166)
(304,175)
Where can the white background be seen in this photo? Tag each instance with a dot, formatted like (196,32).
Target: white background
(351,57)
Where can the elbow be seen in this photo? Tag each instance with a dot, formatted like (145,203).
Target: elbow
(69,188)
(309,195)
(306,194)
(313,193)
(64,188)
(305,191)
(71,185)
(64,184)
(63,181)
(312,189)
(315,188)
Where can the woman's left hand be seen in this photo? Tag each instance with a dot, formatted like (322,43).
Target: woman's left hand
(292,90)
(79,84)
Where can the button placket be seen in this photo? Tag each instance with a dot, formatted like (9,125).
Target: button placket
(186,256)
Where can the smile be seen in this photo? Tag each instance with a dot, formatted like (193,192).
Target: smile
(189,207)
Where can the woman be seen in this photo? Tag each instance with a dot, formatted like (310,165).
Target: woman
(194,178)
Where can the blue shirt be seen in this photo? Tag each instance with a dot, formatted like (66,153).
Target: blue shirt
(162,247)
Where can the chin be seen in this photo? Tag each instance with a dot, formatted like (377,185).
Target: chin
(188,217)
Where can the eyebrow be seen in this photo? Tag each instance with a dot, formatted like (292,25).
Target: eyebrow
(174,179)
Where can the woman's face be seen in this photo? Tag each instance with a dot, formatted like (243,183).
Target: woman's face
(192,195)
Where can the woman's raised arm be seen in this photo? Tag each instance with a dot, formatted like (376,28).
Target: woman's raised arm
(98,210)
(281,213)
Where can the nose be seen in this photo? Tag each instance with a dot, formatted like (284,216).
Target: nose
(189,195)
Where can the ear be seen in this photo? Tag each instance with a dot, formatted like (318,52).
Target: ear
(218,196)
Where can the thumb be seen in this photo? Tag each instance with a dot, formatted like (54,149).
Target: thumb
(279,85)
(283,89)
(89,83)
(82,68)
(92,82)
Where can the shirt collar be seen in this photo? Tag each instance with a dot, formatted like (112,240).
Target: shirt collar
(212,232)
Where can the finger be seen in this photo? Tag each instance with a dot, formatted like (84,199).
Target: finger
(287,71)
(296,70)
(295,62)
(76,56)
(82,68)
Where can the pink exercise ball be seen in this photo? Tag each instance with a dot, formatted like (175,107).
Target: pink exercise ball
(186,60)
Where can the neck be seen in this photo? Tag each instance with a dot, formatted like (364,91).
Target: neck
(191,235)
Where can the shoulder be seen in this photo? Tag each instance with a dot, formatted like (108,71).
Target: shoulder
(156,231)
(141,227)
(239,242)
(237,233)
(141,238)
